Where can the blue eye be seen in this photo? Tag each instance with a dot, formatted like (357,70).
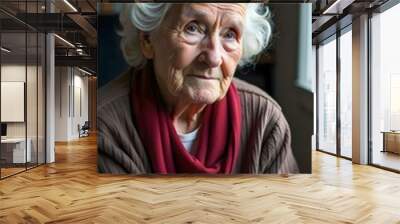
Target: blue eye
(192,27)
(230,35)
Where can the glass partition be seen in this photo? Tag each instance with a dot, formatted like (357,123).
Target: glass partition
(31,100)
(13,104)
(346,94)
(41,91)
(22,88)
(327,96)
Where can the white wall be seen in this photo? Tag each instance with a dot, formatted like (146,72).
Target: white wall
(71,94)
(12,101)
(61,103)
(80,110)
(9,73)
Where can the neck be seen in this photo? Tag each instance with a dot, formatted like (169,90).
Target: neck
(185,114)
(186,117)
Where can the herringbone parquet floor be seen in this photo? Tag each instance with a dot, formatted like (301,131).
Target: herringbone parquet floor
(71,191)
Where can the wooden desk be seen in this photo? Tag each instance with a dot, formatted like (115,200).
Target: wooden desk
(391,141)
(15,148)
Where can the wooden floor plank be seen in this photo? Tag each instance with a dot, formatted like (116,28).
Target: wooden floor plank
(71,191)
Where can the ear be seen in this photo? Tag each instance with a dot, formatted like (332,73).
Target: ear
(146,46)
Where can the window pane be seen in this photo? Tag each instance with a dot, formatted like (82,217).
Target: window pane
(345,94)
(386,88)
(327,97)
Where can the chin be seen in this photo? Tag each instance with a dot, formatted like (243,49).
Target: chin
(203,96)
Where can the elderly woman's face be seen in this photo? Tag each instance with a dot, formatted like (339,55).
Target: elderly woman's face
(197,48)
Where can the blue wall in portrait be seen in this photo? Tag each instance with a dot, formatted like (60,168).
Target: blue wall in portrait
(110,59)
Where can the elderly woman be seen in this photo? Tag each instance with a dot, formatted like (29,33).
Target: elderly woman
(179,109)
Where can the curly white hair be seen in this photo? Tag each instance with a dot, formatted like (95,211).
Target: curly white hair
(146,17)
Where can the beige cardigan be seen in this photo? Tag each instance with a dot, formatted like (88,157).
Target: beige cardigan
(265,137)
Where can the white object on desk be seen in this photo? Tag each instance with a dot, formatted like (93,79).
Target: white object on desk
(19,155)
(12,98)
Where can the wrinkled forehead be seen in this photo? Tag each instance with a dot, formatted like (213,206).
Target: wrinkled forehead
(208,10)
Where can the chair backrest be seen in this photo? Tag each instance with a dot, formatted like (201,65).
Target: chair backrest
(86,125)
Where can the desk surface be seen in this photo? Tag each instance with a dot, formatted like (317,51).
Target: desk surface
(390,132)
(13,140)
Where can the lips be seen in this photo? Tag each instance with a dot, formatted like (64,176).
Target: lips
(203,77)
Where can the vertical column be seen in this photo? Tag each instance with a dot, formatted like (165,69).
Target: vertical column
(50,93)
(360,90)
(338,98)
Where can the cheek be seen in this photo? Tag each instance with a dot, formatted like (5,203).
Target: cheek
(184,56)
(173,50)
(228,68)
(170,61)
(230,62)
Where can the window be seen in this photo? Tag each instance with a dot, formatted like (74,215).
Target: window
(327,97)
(346,93)
(385,87)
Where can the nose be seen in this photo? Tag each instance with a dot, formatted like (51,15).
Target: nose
(212,52)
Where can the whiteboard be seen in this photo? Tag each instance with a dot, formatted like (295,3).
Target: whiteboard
(12,101)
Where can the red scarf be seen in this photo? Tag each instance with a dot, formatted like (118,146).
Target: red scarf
(217,141)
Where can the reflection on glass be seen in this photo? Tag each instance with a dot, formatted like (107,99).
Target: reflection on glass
(314,75)
(14,146)
(22,90)
(385,87)
(31,101)
(327,97)
(346,94)
(41,99)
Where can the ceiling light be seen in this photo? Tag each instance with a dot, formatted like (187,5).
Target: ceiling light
(70,5)
(5,50)
(337,7)
(84,71)
(65,41)
(80,51)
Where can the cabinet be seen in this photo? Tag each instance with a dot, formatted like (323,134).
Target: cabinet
(13,150)
(391,141)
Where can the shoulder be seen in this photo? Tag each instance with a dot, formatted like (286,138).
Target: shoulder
(265,135)
(115,90)
(119,147)
(113,105)
(256,102)
(248,90)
